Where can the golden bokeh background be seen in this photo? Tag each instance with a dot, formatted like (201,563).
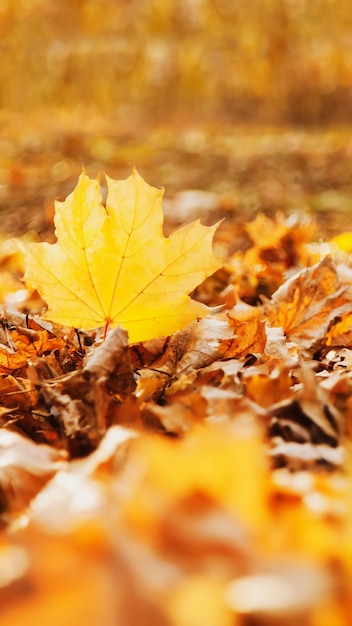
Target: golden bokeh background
(239,97)
(274,61)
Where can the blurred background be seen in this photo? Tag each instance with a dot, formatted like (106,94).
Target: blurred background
(249,100)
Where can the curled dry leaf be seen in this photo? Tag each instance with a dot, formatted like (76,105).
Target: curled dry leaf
(339,385)
(83,400)
(339,333)
(315,403)
(18,393)
(26,343)
(249,338)
(113,265)
(305,304)
(173,363)
(189,349)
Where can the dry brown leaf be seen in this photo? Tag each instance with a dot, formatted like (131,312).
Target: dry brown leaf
(18,393)
(249,338)
(184,352)
(339,333)
(306,303)
(315,403)
(24,343)
(339,386)
(84,399)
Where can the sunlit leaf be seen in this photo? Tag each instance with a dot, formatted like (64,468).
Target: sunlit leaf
(306,303)
(113,265)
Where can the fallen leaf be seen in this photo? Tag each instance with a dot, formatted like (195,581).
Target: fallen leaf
(268,389)
(339,386)
(180,356)
(306,428)
(17,392)
(315,403)
(249,338)
(83,400)
(305,304)
(113,265)
(340,331)
(24,343)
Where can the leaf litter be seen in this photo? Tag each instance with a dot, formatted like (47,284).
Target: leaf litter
(200,472)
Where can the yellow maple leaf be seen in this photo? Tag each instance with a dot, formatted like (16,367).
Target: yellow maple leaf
(112,265)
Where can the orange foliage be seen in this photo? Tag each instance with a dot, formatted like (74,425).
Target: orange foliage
(212,460)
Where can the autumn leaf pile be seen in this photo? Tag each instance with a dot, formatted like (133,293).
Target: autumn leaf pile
(175,421)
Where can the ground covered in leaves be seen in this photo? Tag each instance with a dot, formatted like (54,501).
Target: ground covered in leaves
(199,478)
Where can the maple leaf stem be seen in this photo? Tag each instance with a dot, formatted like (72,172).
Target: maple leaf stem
(106,328)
